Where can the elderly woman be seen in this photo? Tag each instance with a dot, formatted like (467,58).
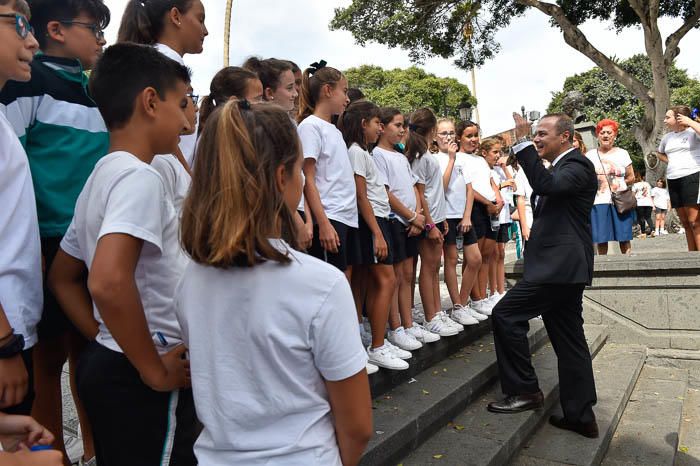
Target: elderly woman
(613,166)
(680,149)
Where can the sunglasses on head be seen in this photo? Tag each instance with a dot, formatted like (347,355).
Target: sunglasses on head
(22,25)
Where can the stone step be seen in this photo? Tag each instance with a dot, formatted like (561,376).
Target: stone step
(412,411)
(689,435)
(478,437)
(648,430)
(430,354)
(616,370)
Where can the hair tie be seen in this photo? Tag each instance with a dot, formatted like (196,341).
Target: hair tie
(316,66)
(244,104)
(412,127)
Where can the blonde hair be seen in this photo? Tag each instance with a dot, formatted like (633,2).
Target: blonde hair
(234,205)
(488,144)
(434,147)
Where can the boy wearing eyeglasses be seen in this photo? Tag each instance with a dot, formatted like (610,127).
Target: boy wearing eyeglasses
(64,136)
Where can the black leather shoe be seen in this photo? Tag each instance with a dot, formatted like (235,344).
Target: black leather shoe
(517,403)
(587,429)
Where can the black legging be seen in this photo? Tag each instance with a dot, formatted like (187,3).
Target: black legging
(644,215)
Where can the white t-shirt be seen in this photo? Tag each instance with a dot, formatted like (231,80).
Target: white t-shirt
(177,180)
(642,191)
(480,173)
(427,171)
(456,192)
(499,176)
(258,377)
(21,294)
(683,151)
(188,143)
(125,195)
(364,166)
(524,189)
(614,164)
(335,179)
(397,174)
(661,197)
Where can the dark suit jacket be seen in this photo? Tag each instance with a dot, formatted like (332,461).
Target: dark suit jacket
(560,248)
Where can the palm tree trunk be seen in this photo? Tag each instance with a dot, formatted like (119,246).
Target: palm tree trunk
(227,30)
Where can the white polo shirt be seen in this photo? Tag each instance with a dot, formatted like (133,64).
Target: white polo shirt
(683,151)
(428,173)
(335,179)
(260,358)
(21,293)
(397,174)
(125,195)
(480,173)
(456,192)
(364,166)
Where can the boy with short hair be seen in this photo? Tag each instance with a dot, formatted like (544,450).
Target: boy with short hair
(20,260)
(64,136)
(125,232)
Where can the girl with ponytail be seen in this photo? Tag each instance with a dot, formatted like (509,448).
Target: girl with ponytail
(230,82)
(174,28)
(302,338)
(330,182)
(422,131)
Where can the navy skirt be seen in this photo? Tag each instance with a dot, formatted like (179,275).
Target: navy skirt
(608,225)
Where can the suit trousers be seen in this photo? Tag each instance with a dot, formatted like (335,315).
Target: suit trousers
(561,308)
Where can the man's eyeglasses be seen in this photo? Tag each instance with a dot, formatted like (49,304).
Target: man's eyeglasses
(22,25)
(194,97)
(446,134)
(96,30)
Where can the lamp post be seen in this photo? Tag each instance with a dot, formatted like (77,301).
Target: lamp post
(465,110)
(227,30)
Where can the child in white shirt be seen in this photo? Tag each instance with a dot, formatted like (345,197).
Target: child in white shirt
(125,234)
(662,203)
(278,374)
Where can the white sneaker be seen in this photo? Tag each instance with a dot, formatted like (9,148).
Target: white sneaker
(482,307)
(440,325)
(421,334)
(371,369)
(384,357)
(418,315)
(403,339)
(398,352)
(462,316)
(473,312)
(496,297)
(452,322)
(664,232)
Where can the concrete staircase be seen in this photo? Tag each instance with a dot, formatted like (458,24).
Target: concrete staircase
(435,413)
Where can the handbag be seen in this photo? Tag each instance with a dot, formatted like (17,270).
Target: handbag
(625,200)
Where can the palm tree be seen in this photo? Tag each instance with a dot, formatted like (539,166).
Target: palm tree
(227,30)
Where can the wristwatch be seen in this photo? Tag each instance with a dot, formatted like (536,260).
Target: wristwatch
(522,139)
(429,226)
(13,347)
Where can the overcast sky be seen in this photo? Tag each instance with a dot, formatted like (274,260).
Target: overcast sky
(533,63)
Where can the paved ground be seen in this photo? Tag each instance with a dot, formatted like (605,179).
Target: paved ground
(670,243)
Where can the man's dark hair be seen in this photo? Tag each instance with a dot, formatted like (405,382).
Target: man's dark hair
(123,72)
(354,94)
(563,124)
(44,11)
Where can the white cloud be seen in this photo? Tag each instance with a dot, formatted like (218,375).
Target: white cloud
(533,63)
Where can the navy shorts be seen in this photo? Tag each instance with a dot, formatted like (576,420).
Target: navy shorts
(366,240)
(348,252)
(451,238)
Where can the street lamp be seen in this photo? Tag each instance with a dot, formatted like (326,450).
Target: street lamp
(465,110)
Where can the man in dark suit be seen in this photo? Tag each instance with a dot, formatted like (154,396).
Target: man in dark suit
(558,265)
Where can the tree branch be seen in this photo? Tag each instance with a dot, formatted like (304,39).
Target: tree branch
(674,39)
(577,39)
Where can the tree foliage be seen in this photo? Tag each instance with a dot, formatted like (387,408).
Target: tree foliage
(409,89)
(603,97)
(466,29)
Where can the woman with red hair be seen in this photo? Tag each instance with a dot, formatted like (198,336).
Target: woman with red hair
(613,166)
